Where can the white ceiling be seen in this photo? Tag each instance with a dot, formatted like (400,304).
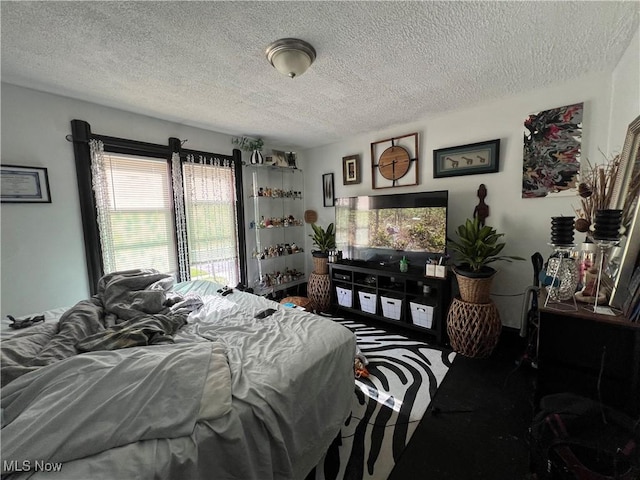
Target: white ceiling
(379,63)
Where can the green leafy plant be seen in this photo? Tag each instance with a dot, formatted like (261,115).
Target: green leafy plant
(325,240)
(477,246)
(248,144)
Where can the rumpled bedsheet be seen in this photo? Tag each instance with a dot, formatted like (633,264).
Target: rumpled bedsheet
(114,398)
(131,308)
(291,376)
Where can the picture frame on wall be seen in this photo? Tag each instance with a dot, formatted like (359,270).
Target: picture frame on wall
(351,170)
(470,159)
(279,158)
(24,184)
(327,190)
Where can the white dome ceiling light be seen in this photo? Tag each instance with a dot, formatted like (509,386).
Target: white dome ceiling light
(291,56)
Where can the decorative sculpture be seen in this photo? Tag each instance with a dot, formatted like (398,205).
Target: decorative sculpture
(482,209)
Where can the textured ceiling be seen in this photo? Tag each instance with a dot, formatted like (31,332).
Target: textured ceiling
(379,63)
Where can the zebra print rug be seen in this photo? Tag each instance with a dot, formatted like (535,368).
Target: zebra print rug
(387,406)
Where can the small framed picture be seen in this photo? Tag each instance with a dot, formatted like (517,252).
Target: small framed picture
(24,184)
(291,159)
(327,190)
(279,158)
(468,159)
(351,170)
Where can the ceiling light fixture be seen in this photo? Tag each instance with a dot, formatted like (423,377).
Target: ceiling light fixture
(291,56)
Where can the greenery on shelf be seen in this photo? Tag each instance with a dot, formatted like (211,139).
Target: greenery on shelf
(248,144)
(477,246)
(325,240)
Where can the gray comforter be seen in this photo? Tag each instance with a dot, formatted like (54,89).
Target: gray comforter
(233,398)
(131,308)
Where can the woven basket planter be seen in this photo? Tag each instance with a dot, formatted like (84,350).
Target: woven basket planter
(319,291)
(474,289)
(473,328)
(321,265)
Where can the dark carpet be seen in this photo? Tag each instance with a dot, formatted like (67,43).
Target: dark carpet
(477,424)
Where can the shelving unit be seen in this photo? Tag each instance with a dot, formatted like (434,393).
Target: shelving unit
(388,295)
(275,232)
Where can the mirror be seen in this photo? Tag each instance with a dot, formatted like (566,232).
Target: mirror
(626,198)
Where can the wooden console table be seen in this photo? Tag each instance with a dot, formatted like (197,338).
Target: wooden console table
(593,355)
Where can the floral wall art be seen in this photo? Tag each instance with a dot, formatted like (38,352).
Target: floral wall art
(552,140)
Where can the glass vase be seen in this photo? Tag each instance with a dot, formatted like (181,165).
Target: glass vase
(564,271)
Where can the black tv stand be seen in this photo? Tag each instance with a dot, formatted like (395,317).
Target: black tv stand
(385,292)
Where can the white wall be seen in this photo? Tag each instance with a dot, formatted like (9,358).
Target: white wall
(526,222)
(43,261)
(625,95)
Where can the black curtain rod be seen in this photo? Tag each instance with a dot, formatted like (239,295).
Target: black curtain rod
(132,145)
(123,145)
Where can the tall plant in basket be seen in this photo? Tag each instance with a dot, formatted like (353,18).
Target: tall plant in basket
(476,247)
(325,240)
(473,322)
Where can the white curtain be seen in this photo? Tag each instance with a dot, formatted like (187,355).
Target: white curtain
(134,211)
(212,229)
(181,222)
(101,193)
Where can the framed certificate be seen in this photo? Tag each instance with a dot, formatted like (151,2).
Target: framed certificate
(24,184)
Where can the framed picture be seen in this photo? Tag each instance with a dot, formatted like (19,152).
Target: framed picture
(327,189)
(466,159)
(350,169)
(279,158)
(24,184)
(625,197)
(291,159)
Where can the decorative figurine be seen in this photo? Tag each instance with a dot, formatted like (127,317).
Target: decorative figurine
(482,209)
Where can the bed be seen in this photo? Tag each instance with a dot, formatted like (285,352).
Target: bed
(224,395)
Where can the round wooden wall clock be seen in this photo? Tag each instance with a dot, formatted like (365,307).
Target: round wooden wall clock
(394,163)
(395,166)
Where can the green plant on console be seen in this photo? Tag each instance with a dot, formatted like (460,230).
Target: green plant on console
(325,240)
(477,246)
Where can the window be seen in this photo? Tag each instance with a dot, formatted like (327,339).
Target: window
(144,207)
(211,222)
(138,228)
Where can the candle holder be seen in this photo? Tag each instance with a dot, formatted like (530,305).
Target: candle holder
(564,279)
(606,234)
(604,246)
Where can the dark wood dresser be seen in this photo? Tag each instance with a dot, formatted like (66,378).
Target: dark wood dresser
(593,355)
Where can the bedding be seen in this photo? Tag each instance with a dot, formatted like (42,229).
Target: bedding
(224,395)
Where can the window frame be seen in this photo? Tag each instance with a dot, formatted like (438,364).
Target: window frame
(81,135)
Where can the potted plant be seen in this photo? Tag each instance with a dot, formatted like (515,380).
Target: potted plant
(476,247)
(325,240)
(251,145)
(473,321)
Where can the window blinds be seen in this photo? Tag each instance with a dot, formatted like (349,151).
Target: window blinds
(139,212)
